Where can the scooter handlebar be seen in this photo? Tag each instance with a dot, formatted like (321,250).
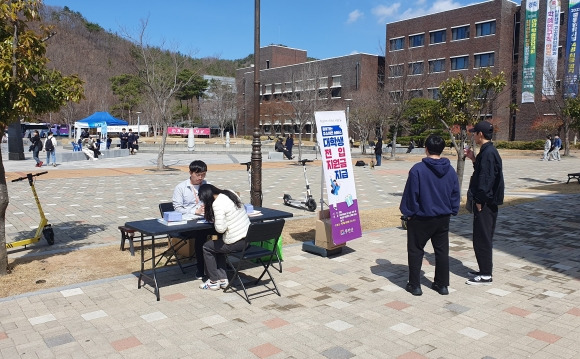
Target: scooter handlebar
(247,164)
(305,160)
(29,176)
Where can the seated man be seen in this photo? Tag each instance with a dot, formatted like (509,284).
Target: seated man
(279,147)
(186,200)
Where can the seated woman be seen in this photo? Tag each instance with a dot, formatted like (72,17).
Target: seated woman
(228,214)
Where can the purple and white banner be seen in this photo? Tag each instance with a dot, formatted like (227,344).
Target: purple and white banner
(551,48)
(338,175)
(572,51)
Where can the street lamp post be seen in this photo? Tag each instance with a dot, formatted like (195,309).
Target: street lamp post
(138,121)
(256,174)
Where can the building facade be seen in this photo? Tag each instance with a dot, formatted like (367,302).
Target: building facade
(292,88)
(495,34)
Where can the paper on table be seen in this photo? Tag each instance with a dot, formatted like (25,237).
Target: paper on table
(190,216)
(255,213)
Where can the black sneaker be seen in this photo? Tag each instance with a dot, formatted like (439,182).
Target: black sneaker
(413,290)
(473,273)
(441,289)
(479,280)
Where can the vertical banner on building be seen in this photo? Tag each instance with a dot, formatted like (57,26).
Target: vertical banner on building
(572,51)
(338,174)
(551,48)
(531,30)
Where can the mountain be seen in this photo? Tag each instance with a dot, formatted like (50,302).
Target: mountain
(86,49)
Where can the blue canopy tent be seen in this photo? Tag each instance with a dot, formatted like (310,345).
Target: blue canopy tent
(98,119)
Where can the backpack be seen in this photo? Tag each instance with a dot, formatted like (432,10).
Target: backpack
(360,163)
(49,146)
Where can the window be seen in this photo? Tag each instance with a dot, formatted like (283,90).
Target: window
(437,65)
(415,93)
(397,44)
(460,33)
(484,60)
(288,87)
(310,84)
(485,28)
(335,92)
(268,90)
(416,40)
(459,63)
(323,82)
(416,68)
(437,37)
(396,70)
(396,95)
(298,86)
(335,81)
(434,93)
(278,88)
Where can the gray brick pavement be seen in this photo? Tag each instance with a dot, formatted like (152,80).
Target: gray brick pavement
(351,305)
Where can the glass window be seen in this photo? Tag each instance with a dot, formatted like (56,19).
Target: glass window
(323,82)
(484,60)
(485,28)
(288,87)
(416,68)
(434,93)
(460,33)
(278,88)
(396,95)
(335,81)
(396,70)
(298,86)
(437,65)
(459,63)
(416,40)
(415,93)
(437,37)
(268,89)
(397,44)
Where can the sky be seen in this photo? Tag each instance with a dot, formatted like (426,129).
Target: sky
(225,28)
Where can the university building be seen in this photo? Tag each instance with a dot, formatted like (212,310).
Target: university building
(504,37)
(291,87)
(533,44)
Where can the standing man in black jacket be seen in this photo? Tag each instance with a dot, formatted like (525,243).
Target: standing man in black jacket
(487,187)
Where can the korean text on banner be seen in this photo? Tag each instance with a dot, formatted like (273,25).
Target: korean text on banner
(332,137)
(572,51)
(530,37)
(550,69)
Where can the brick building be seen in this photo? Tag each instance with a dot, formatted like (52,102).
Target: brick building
(288,83)
(489,34)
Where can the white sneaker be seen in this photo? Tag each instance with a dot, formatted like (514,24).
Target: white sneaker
(209,285)
(223,283)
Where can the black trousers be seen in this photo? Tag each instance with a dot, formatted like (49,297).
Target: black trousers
(483,230)
(215,260)
(199,238)
(419,231)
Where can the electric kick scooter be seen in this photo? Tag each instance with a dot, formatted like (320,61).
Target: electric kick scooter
(44,228)
(309,203)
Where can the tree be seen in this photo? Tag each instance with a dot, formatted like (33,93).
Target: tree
(464,102)
(194,89)
(219,105)
(363,114)
(572,112)
(129,90)
(28,86)
(159,72)
(306,98)
(406,79)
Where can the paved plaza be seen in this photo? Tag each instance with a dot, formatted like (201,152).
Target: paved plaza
(352,305)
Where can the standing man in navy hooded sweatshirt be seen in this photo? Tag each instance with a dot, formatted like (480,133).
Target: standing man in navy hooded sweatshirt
(430,198)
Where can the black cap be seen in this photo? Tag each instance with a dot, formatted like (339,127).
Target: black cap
(484,127)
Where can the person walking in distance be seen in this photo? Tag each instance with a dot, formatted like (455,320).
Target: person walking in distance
(487,188)
(547,148)
(379,151)
(430,198)
(556,148)
(36,147)
(289,144)
(50,148)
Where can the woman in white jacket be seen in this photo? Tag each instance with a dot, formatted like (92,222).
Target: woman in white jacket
(228,214)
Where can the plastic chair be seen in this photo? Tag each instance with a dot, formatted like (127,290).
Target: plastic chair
(258,234)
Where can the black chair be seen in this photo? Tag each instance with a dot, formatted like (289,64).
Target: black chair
(258,233)
(175,240)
